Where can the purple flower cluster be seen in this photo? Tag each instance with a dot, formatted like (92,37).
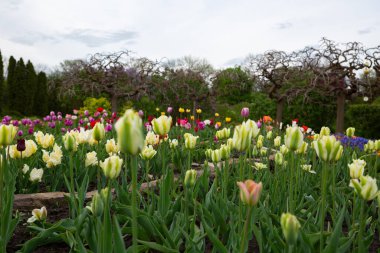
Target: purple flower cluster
(353,142)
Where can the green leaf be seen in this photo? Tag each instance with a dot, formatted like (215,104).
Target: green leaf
(156,246)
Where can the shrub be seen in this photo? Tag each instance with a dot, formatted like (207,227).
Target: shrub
(91,104)
(365,119)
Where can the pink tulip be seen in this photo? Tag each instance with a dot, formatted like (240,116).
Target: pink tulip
(250,191)
(245,112)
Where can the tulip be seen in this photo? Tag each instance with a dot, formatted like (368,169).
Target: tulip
(162,125)
(97,205)
(30,149)
(216,156)
(190,177)
(357,168)
(366,187)
(98,132)
(328,148)
(141,113)
(181,110)
(250,192)
(244,112)
(307,167)
(112,147)
(173,143)
(129,132)
(325,131)
(38,215)
(70,142)
(225,152)
(7,134)
(303,148)
(91,159)
(277,141)
(267,119)
(254,128)
(188,110)
(112,166)
(228,119)
(190,140)
(284,150)
(44,140)
(242,137)
(350,132)
(24,170)
(269,135)
(259,144)
(53,158)
(279,158)
(169,110)
(290,227)
(21,145)
(148,152)
(199,111)
(293,138)
(36,175)
(260,166)
(216,114)
(223,134)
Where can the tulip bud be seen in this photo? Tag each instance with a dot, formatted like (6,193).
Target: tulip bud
(259,144)
(263,151)
(21,145)
(162,125)
(279,158)
(242,137)
(98,132)
(148,152)
(225,152)
(350,132)
(293,138)
(269,135)
(97,205)
(190,140)
(112,166)
(173,143)
(250,192)
(325,131)
(366,187)
(223,134)
(216,156)
(245,112)
(328,148)
(70,142)
(7,134)
(357,168)
(290,227)
(169,110)
(129,132)
(277,141)
(190,177)
(208,153)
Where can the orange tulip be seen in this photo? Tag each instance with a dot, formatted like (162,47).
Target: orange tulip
(267,119)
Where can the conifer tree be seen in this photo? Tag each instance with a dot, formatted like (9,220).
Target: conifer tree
(11,84)
(20,88)
(30,87)
(41,96)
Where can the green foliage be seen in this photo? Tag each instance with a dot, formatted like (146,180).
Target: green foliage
(233,85)
(91,104)
(365,119)
(31,84)
(11,82)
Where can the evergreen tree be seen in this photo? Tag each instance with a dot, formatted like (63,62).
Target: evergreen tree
(31,88)
(20,88)
(2,88)
(10,94)
(41,96)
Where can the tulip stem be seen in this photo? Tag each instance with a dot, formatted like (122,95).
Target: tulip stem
(362,226)
(2,169)
(72,190)
(323,205)
(244,238)
(291,185)
(134,203)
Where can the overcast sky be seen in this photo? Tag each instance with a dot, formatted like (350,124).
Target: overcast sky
(223,31)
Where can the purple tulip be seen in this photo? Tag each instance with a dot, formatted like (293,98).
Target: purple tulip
(21,145)
(59,113)
(30,130)
(15,123)
(54,118)
(86,113)
(141,113)
(108,128)
(245,112)
(52,113)
(105,115)
(81,121)
(96,114)
(201,125)
(169,110)
(68,122)
(48,118)
(63,130)
(59,117)
(51,124)
(258,124)
(20,133)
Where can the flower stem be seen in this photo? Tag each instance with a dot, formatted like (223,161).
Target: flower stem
(134,203)
(323,205)
(244,238)
(362,226)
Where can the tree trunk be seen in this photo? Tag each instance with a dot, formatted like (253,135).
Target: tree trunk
(279,111)
(114,102)
(340,102)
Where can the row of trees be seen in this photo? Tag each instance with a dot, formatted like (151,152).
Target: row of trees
(24,91)
(330,71)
